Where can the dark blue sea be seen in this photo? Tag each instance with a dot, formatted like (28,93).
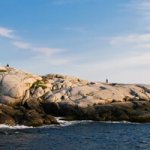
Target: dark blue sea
(84,135)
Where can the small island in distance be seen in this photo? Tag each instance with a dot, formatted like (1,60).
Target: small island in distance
(33,100)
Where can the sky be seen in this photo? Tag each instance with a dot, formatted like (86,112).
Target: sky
(89,39)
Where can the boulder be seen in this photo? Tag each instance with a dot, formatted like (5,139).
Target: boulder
(38,92)
(33,118)
(6,119)
(49,119)
(14,85)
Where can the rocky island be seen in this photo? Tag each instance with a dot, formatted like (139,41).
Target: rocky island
(34,100)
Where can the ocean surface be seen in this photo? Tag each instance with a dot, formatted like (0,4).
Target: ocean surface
(77,135)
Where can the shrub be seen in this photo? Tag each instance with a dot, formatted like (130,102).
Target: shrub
(1,71)
(39,83)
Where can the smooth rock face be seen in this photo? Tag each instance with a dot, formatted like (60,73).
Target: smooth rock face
(13,85)
(70,97)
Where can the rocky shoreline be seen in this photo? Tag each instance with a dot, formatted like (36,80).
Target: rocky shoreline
(33,100)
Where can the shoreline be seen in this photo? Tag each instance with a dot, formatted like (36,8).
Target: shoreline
(32,100)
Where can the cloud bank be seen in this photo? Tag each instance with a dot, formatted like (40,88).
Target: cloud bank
(6,33)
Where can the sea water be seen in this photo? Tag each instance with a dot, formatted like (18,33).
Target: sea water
(77,135)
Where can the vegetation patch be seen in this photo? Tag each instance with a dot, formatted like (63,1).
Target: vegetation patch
(39,83)
(1,71)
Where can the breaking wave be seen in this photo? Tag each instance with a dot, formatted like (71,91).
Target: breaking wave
(68,123)
(14,127)
(63,123)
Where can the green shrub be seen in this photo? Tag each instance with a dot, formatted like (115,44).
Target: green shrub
(1,71)
(39,83)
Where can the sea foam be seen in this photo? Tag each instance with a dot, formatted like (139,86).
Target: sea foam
(14,127)
(68,123)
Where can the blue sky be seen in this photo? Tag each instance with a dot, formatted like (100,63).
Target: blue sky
(90,39)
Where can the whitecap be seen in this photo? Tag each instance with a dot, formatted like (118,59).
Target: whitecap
(119,122)
(14,127)
(68,123)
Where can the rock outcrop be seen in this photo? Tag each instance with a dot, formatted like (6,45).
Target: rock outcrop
(31,99)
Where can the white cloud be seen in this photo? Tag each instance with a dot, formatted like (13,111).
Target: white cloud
(7,33)
(137,60)
(42,50)
(130,39)
(123,69)
(133,64)
(118,69)
(142,8)
(21,45)
(142,4)
(39,51)
(144,46)
(42,53)
(141,38)
(47,51)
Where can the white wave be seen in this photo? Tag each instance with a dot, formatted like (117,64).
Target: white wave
(119,122)
(114,122)
(64,123)
(14,127)
(68,123)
